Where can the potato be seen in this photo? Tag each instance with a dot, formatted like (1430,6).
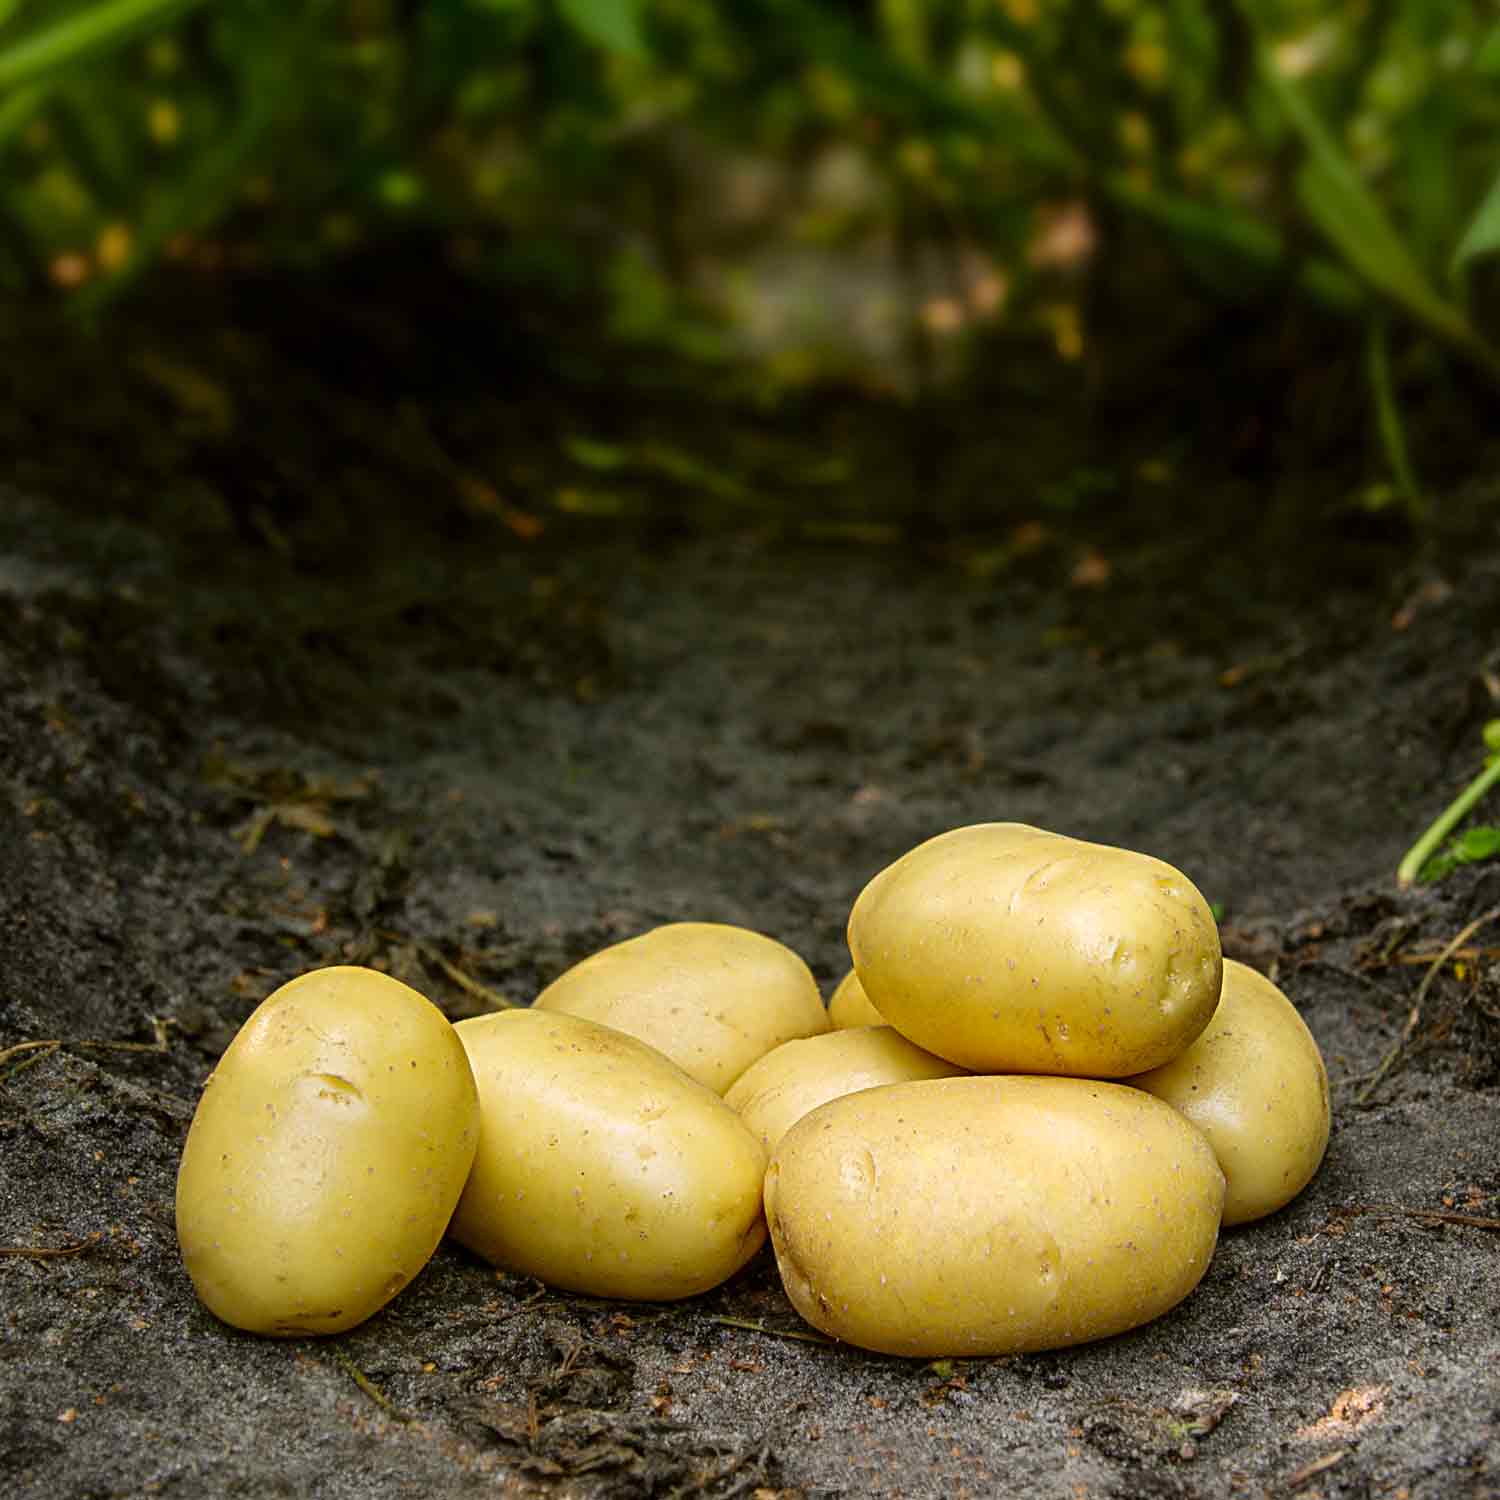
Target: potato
(971,1216)
(850,1006)
(1254,1083)
(771,1095)
(712,997)
(326,1154)
(602,1167)
(1009,950)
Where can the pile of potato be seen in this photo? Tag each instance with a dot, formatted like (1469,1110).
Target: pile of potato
(942,1165)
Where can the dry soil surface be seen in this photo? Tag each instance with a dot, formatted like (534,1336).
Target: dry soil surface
(472,765)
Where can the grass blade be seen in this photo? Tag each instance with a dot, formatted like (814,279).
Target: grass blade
(1482,237)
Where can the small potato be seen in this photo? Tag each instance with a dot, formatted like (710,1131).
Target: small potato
(973,1216)
(711,997)
(850,1006)
(771,1095)
(326,1154)
(1254,1083)
(602,1167)
(1009,950)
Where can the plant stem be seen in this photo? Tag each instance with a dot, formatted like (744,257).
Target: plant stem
(1388,417)
(1444,824)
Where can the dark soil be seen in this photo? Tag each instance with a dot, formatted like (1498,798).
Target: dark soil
(282,689)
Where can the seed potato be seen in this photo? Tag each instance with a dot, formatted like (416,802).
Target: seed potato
(326,1154)
(850,1006)
(1009,950)
(975,1216)
(771,1095)
(602,1167)
(711,997)
(1254,1083)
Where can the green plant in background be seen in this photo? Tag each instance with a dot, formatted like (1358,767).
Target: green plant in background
(1337,153)
(1237,130)
(1423,862)
(272,130)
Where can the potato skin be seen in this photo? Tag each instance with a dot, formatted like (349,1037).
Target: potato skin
(1254,1083)
(326,1154)
(850,1006)
(791,1080)
(974,1216)
(602,1167)
(1009,950)
(710,996)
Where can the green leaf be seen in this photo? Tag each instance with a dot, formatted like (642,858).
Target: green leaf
(1482,237)
(1335,198)
(1471,847)
(1351,219)
(893,86)
(1474,844)
(1213,229)
(97,28)
(276,82)
(1487,62)
(596,455)
(612,24)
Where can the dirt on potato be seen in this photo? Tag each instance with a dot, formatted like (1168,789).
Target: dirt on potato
(265,707)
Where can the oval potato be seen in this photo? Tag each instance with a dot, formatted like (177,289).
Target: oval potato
(972,1216)
(710,996)
(850,1006)
(326,1154)
(771,1095)
(1254,1083)
(602,1167)
(1009,950)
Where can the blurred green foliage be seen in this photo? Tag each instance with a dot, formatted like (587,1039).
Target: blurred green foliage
(1339,152)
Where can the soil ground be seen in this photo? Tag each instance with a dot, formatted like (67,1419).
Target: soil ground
(244,735)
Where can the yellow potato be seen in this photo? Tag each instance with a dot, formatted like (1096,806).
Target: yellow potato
(326,1154)
(850,1006)
(602,1167)
(771,1095)
(1254,1083)
(1010,950)
(972,1216)
(712,997)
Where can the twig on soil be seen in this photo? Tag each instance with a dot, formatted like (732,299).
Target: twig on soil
(521,1306)
(1466,955)
(45,1047)
(463,979)
(1428,1215)
(50,1252)
(40,1051)
(1414,1019)
(1317,1466)
(775,1333)
(369,1387)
